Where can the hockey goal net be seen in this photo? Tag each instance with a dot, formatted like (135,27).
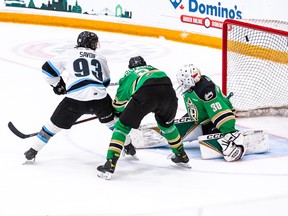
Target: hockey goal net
(255,66)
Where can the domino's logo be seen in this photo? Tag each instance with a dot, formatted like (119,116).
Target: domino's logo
(176,3)
(216,10)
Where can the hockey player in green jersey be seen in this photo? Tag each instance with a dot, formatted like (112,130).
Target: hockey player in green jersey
(206,105)
(143,90)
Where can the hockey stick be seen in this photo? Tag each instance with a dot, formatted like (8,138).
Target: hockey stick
(114,84)
(24,136)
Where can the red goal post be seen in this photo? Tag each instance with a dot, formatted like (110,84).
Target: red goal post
(255,66)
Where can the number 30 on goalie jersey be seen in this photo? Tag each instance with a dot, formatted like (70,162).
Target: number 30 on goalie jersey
(206,103)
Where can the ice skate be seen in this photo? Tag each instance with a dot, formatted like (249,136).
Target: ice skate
(180,159)
(130,150)
(30,155)
(105,171)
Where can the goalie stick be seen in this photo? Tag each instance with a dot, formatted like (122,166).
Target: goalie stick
(24,136)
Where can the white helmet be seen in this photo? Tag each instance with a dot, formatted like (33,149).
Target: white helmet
(187,76)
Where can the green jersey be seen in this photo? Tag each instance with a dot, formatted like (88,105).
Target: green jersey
(205,102)
(133,79)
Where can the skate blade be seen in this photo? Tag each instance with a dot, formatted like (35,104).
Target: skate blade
(28,162)
(104,175)
(135,157)
(184,165)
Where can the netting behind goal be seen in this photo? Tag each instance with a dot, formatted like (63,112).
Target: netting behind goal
(255,66)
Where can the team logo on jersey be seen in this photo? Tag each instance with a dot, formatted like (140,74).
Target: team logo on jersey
(192,109)
(208,96)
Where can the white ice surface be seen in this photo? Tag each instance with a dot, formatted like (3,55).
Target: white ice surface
(63,181)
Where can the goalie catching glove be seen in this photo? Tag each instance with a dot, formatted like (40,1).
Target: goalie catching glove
(60,88)
(233,147)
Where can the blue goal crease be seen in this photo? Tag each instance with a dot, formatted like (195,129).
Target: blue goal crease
(278,147)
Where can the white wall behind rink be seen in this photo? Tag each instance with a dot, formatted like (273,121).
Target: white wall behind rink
(197,16)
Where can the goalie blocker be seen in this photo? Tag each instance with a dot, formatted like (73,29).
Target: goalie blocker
(149,136)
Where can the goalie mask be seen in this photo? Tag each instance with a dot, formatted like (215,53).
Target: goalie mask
(87,39)
(187,76)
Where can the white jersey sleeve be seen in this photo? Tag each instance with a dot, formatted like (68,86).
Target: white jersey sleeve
(86,71)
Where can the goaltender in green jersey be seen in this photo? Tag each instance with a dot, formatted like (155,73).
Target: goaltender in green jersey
(206,105)
(210,119)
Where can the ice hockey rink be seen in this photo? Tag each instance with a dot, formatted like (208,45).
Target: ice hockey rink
(63,181)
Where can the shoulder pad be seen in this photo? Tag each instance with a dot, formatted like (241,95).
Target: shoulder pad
(205,89)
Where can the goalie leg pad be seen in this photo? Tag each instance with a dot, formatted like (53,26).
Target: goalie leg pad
(257,141)
(147,138)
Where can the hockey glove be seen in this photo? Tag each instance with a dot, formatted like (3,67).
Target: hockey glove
(233,146)
(60,88)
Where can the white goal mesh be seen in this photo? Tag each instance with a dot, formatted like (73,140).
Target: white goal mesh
(255,66)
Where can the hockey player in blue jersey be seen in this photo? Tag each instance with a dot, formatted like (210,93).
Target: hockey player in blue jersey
(87,79)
